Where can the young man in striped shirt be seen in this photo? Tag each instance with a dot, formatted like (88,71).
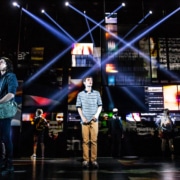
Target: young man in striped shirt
(89,106)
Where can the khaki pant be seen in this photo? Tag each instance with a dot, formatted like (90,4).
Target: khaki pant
(89,135)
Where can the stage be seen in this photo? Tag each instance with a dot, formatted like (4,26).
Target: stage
(126,168)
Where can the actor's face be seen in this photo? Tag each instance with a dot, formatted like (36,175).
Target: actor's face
(88,82)
(3,65)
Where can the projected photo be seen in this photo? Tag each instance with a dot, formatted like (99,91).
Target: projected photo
(27,116)
(30,116)
(74,87)
(82,61)
(37,53)
(73,116)
(82,49)
(171,95)
(38,101)
(111,68)
(110,18)
(134,117)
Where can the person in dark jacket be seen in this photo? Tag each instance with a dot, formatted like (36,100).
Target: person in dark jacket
(166,126)
(8,86)
(115,133)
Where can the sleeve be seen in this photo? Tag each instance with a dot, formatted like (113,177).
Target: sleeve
(78,101)
(12,83)
(99,99)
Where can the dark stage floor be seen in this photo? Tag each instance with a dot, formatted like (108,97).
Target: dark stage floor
(128,168)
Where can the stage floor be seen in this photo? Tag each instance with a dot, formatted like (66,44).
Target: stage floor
(127,168)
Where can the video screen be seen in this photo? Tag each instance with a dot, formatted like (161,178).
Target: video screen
(83,61)
(110,18)
(28,116)
(37,53)
(171,95)
(82,49)
(30,100)
(73,116)
(133,117)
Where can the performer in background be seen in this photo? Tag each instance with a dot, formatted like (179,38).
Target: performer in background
(166,126)
(40,123)
(116,133)
(9,84)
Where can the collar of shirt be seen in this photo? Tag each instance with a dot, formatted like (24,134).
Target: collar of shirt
(87,91)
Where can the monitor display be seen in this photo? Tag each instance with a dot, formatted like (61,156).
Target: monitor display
(28,116)
(110,18)
(171,95)
(30,100)
(133,117)
(82,49)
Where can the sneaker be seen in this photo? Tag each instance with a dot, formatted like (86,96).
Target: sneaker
(33,156)
(7,170)
(95,165)
(2,164)
(85,164)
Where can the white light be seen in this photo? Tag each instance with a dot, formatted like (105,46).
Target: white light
(123,4)
(150,12)
(66,3)
(42,11)
(84,12)
(15,4)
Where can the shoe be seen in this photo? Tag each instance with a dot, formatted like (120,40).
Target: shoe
(85,164)
(7,170)
(95,165)
(33,156)
(2,164)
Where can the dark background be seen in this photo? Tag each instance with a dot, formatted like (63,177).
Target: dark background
(19,32)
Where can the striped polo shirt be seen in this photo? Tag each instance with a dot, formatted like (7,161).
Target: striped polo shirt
(89,103)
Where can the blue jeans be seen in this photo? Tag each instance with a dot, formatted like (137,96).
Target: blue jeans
(5,137)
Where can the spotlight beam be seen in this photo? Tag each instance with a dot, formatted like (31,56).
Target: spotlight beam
(68,35)
(112,34)
(92,39)
(148,14)
(64,93)
(129,44)
(133,96)
(48,27)
(97,24)
(152,27)
(135,39)
(65,51)
(49,64)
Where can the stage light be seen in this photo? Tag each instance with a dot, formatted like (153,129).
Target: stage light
(66,3)
(150,12)
(123,4)
(15,4)
(42,11)
(84,12)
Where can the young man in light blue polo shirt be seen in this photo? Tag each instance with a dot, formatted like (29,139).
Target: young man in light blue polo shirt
(89,106)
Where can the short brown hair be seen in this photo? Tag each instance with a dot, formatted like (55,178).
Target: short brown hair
(84,79)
